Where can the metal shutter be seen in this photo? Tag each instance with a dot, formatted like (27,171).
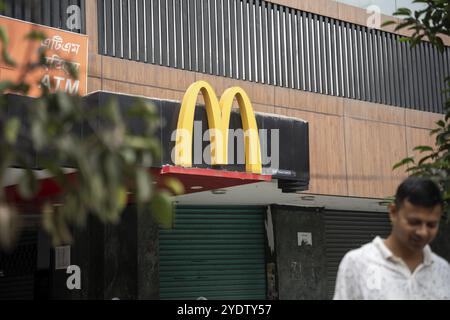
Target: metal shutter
(17,269)
(350,230)
(214,252)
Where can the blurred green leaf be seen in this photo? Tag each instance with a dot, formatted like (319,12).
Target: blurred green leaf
(63,232)
(387,23)
(96,189)
(64,103)
(143,185)
(128,155)
(404,39)
(441,123)
(5,85)
(403,162)
(434,131)
(122,197)
(38,135)
(36,35)
(403,25)
(71,68)
(7,58)
(20,87)
(423,148)
(110,165)
(402,12)
(5,41)
(426,158)
(28,184)
(12,128)
(108,157)
(174,185)
(162,209)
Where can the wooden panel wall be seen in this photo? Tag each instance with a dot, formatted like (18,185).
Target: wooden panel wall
(372,148)
(353,144)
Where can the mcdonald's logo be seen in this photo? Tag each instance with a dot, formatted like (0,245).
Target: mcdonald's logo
(218,115)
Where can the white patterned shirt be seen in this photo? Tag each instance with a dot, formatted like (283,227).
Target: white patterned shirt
(372,272)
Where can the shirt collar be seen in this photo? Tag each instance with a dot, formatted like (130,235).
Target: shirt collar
(387,254)
(427,255)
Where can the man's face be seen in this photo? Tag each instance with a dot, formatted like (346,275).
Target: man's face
(414,226)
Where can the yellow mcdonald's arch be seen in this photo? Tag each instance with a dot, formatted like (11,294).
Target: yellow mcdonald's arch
(218,114)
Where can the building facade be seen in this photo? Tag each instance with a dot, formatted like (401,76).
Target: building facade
(365,98)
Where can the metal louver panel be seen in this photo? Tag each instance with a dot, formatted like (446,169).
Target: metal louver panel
(345,231)
(52,13)
(264,42)
(214,252)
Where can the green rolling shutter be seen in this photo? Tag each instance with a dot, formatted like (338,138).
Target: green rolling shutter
(214,252)
(347,230)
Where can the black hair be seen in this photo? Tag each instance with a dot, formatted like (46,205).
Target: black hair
(419,191)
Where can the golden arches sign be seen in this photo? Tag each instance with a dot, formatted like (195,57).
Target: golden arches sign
(218,114)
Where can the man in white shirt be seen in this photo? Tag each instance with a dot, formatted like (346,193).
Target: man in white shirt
(403,265)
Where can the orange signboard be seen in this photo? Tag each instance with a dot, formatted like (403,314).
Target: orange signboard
(61,49)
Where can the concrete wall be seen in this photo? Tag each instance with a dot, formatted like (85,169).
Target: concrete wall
(87,252)
(148,257)
(116,261)
(301,269)
(120,268)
